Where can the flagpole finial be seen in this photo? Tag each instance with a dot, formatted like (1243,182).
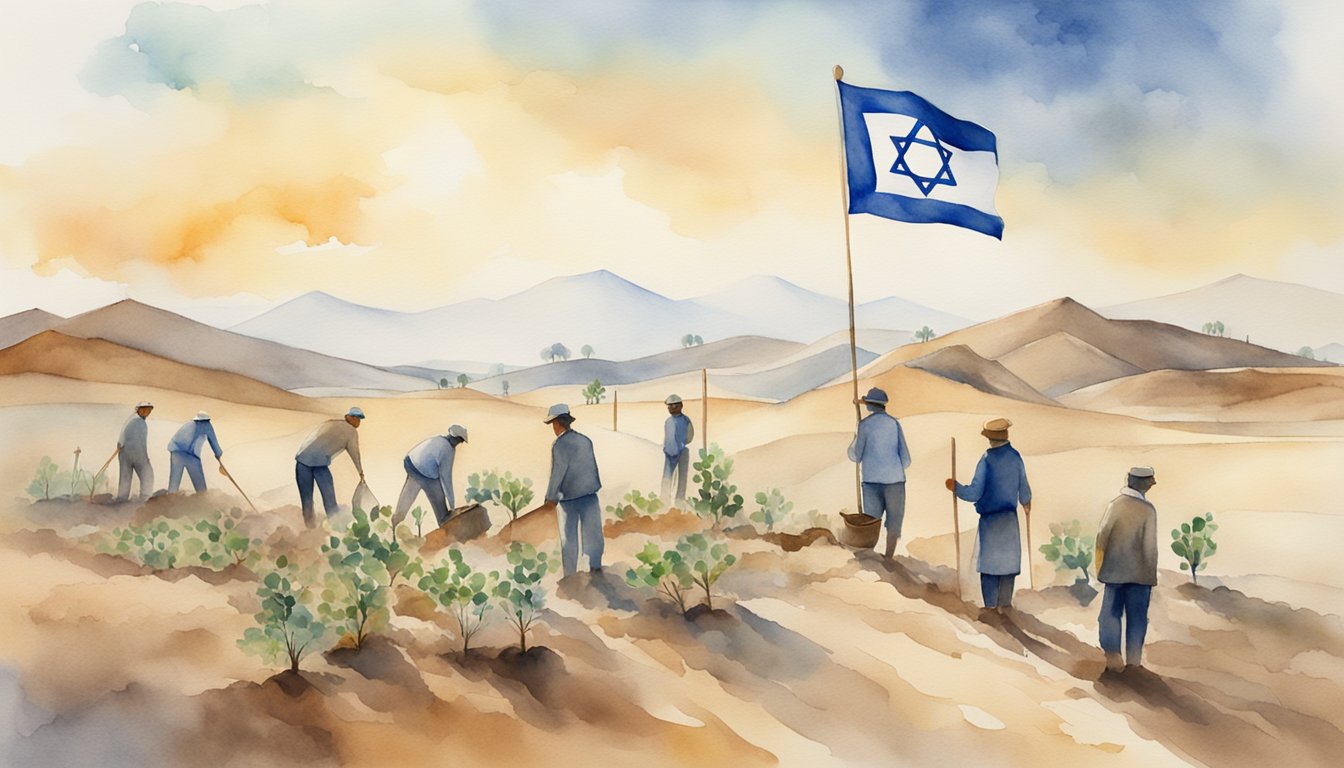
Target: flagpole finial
(839,72)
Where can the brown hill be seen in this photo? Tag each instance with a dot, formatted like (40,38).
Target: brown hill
(1147,345)
(959,363)
(56,354)
(1241,395)
(167,335)
(1061,363)
(22,325)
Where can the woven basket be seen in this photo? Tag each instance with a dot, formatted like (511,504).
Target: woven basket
(860,531)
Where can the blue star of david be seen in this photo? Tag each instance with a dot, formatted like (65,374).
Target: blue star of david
(902,166)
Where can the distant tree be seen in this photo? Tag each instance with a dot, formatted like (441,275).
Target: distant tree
(463,379)
(496,370)
(687,340)
(506,387)
(924,334)
(587,350)
(443,383)
(594,393)
(559,351)
(546,355)
(1307,352)
(1214,328)
(698,341)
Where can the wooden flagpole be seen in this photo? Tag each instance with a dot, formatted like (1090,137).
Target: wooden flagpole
(615,406)
(956,519)
(839,73)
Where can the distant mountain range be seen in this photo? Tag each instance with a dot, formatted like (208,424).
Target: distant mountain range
(617,318)
(1283,316)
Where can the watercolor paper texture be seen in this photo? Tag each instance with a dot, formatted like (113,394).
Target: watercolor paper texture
(264,216)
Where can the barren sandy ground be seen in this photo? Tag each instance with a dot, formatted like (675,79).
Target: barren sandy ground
(822,656)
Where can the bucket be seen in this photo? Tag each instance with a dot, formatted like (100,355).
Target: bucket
(860,531)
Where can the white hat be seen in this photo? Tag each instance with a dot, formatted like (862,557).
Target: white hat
(1141,472)
(457,430)
(202,416)
(672,399)
(356,412)
(556,411)
(144,404)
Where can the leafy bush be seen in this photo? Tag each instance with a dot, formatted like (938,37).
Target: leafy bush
(1069,549)
(715,498)
(464,591)
(511,493)
(157,544)
(594,393)
(418,515)
(288,630)
(44,479)
(707,561)
(636,503)
(519,590)
(1193,543)
(773,508)
(667,573)
(363,565)
(221,543)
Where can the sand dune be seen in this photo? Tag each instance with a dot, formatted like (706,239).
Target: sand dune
(1241,395)
(1061,363)
(959,363)
(23,325)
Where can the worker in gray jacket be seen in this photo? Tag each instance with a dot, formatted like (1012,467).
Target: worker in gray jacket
(133,454)
(184,452)
(574,484)
(1126,553)
(879,448)
(429,468)
(678,432)
(312,464)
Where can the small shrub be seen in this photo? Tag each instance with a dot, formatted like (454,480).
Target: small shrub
(519,591)
(44,479)
(511,493)
(362,566)
(418,515)
(288,630)
(464,591)
(667,573)
(636,503)
(772,508)
(594,393)
(707,561)
(716,498)
(157,544)
(1068,548)
(216,542)
(1193,543)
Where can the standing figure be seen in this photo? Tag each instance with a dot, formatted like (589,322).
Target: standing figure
(184,452)
(678,432)
(574,485)
(133,454)
(312,464)
(880,450)
(1000,482)
(429,468)
(1127,564)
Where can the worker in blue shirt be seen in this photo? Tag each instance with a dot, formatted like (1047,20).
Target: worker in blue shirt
(678,432)
(880,450)
(574,485)
(429,468)
(1000,483)
(184,452)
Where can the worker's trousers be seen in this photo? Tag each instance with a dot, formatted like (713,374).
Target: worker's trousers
(581,516)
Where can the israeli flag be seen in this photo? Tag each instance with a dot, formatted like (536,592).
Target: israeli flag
(910,161)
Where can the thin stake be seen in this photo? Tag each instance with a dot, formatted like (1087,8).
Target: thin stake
(956,518)
(615,406)
(704,409)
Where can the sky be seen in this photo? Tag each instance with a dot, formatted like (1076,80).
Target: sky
(408,154)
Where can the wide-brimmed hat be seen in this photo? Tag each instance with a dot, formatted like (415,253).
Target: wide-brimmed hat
(672,400)
(357,412)
(457,430)
(556,411)
(202,416)
(996,428)
(875,396)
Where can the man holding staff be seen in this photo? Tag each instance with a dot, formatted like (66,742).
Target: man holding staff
(133,454)
(880,450)
(1000,483)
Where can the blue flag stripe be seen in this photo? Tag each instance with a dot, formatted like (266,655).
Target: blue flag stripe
(914,210)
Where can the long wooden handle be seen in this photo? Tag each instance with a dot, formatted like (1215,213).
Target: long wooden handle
(956,517)
(93,485)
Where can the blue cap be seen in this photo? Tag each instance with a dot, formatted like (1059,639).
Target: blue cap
(356,412)
(875,396)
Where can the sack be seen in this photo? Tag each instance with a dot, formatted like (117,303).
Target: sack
(364,498)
